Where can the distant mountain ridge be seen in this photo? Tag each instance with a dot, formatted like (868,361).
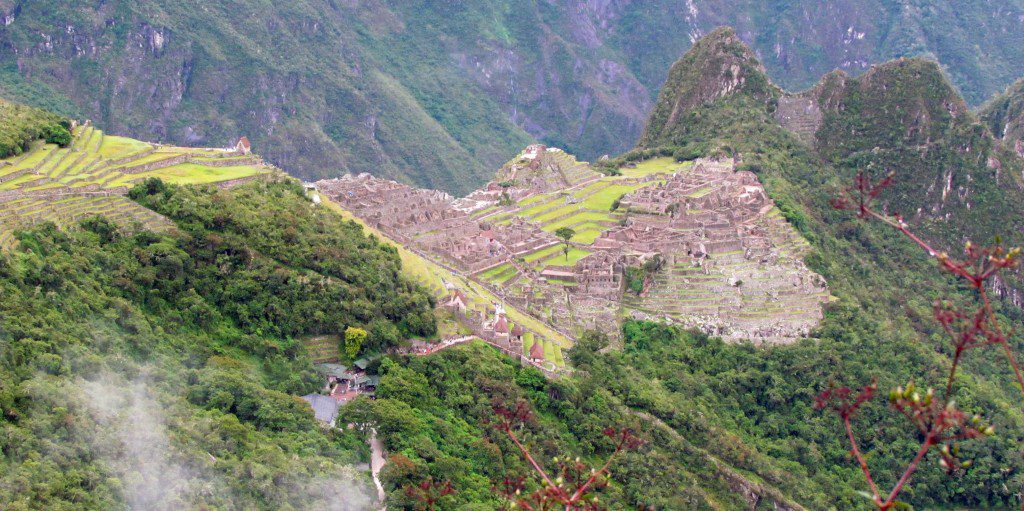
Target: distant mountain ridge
(902,116)
(438,93)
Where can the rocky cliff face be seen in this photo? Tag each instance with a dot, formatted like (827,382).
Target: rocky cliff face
(440,93)
(1004,115)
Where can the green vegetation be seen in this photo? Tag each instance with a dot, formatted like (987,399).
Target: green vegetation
(149,370)
(880,324)
(1004,115)
(20,126)
(119,147)
(192,173)
(64,171)
(568,257)
(657,165)
(705,407)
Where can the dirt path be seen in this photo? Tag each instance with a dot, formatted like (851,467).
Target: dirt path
(377,461)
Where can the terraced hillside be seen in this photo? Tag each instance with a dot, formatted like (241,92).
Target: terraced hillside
(91,175)
(696,243)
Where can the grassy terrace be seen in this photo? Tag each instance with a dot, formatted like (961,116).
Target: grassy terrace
(560,258)
(590,213)
(120,147)
(87,162)
(191,173)
(86,167)
(542,254)
(663,165)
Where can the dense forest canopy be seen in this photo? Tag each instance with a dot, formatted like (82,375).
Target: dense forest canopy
(143,370)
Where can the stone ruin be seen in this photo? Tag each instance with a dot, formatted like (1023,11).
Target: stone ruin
(731,265)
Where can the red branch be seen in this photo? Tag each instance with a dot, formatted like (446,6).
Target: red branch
(569,491)
(939,422)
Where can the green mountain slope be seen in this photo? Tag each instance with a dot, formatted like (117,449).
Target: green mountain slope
(21,125)
(158,371)
(902,116)
(438,93)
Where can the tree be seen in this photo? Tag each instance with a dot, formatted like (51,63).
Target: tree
(354,338)
(57,134)
(383,334)
(565,233)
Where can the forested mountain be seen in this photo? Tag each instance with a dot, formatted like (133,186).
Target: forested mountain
(440,93)
(159,371)
(952,177)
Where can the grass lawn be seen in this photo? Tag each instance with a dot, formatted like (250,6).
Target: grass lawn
(494,272)
(18,182)
(561,259)
(542,254)
(591,188)
(552,201)
(528,341)
(190,173)
(549,352)
(586,216)
(36,155)
(602,200)
(533,199)
(117,147)
(587,232)
(499,274)
(663,165)
(555,213)
(161,154)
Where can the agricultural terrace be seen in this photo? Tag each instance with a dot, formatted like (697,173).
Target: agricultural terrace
(65,185)
(586,208)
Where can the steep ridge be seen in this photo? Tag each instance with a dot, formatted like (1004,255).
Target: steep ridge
(1004,115)
(953,181)
(439,93)
(718,65)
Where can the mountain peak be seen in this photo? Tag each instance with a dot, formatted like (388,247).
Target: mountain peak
(718,65)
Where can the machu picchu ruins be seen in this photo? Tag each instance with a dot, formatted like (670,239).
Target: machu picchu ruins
(704,244)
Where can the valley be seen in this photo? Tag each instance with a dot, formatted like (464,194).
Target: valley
(460,305)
